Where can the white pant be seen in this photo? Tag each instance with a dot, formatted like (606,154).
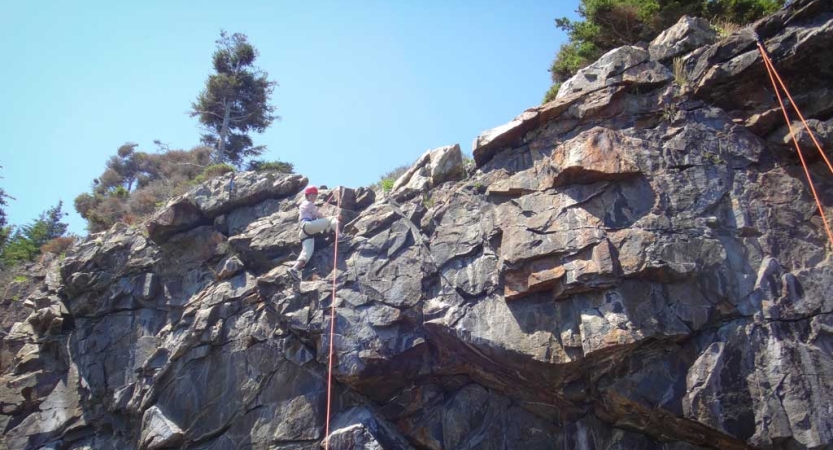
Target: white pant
(306,232)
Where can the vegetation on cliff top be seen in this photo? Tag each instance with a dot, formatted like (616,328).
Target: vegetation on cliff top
(46,234)
(235,102)
(607,24)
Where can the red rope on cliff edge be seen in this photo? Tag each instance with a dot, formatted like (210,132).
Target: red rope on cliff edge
(773,74)
(332,332)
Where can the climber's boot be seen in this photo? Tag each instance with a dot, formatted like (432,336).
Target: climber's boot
(295,270)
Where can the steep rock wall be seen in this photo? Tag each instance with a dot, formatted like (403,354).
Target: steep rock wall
(637,264)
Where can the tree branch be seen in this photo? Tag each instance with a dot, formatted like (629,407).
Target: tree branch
(189,164)
(208,112)
(240,118)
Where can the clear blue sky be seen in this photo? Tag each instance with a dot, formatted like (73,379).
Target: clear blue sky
(365,86)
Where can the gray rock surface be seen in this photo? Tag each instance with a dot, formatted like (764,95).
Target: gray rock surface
(688,34)
(359,428)
(218,196)
(624,65)
(158,431)
(433,168)
(626,268)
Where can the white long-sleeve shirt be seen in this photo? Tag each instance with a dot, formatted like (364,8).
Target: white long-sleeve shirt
(308,211)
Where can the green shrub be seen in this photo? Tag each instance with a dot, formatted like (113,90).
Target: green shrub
(387,184)
(270,166)
(85,203)
(135,182)
(725,28)
(387,180)
(572,57)
(26,242)
(121,192)
(551,93)
(740,11)
(106,213)
(213,171)
(146,200)
(58,245)
(427,201)
(18,249)
(713,158)
(20,279)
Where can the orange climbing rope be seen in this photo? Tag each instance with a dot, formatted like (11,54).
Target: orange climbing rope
(773,75)
(332,333)
(774,72)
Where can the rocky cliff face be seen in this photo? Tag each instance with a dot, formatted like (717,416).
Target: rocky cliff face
(637,264)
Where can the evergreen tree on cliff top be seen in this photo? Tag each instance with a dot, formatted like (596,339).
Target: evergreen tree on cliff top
(25,244)
(235,101)
(4,231)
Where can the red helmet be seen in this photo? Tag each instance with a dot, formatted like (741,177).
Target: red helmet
(311,190)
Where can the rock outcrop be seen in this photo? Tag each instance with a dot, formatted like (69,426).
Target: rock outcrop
(219,196)
(688,34)
(637,264)
(433,168)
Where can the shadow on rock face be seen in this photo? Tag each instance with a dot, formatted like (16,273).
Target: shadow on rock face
(622,203)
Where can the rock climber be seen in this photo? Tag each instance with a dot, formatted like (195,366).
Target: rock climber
(311,222)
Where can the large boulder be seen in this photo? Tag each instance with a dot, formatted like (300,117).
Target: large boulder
(218,196)
(180,214)
(623,65)
(433,168)
(268,240)
(360,429)
(688,34)
(237,189)
(158,431)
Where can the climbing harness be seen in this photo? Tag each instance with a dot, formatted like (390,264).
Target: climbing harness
(303,229)
(304,221)
(773,75)
(332,331)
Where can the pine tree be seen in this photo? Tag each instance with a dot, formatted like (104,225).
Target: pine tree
(24,245)
(5,230)
(235,101)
